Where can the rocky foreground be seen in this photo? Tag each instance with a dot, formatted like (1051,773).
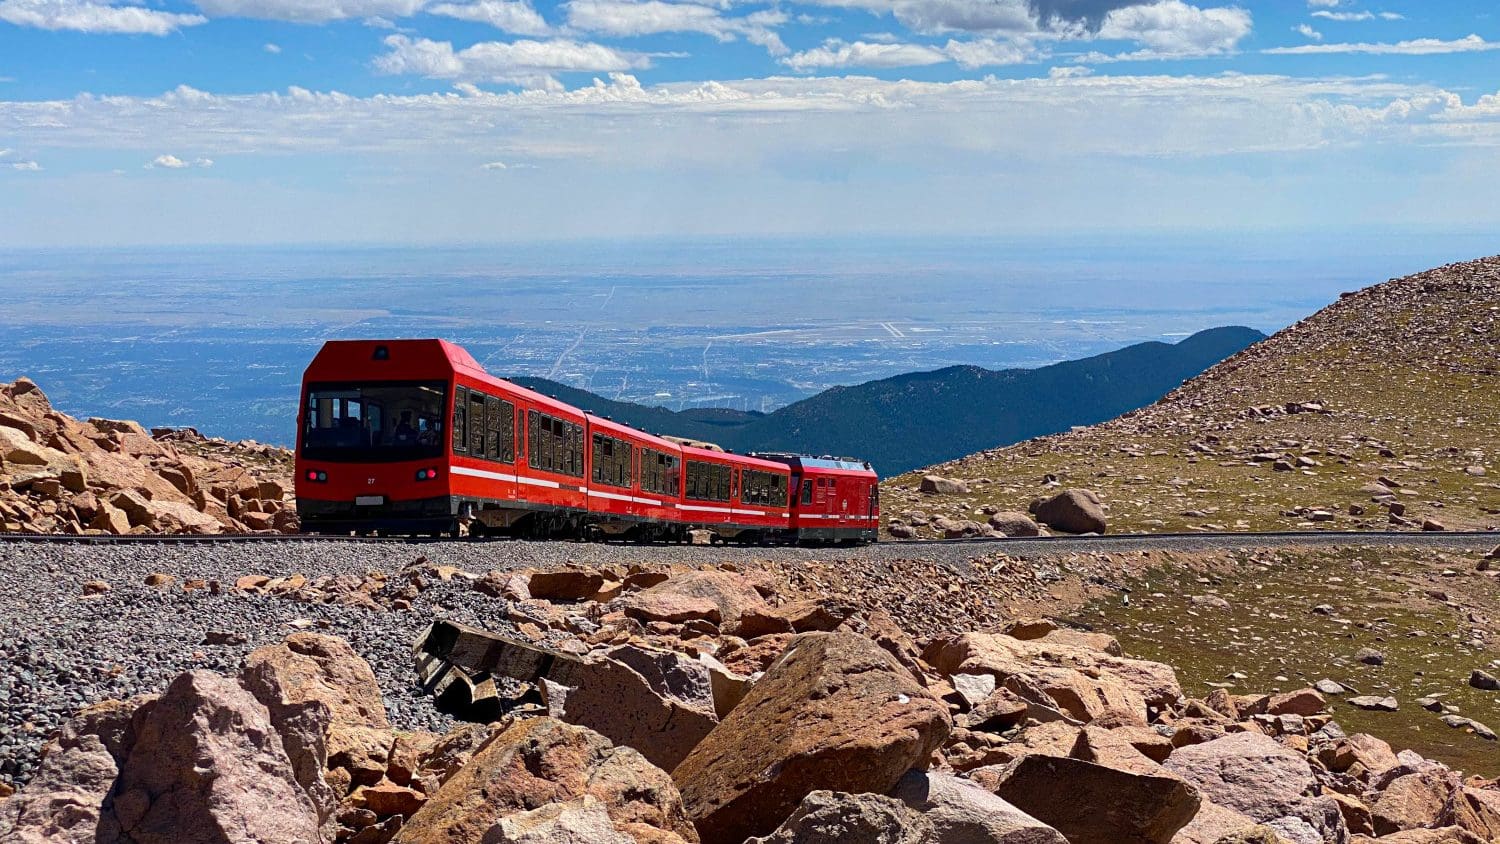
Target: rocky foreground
(707,704)
(107,476)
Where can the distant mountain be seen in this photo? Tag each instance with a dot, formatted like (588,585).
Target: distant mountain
(1379,412)
(922,418)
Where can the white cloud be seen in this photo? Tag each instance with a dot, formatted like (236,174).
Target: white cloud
(988,52)
(1324,4)
(86,16)
(1308,32)
(172,162)
(271,48)
(624,18)
(1174,29)
(835,53)
(525,62)
(169,162)
(26,166)
(1345,17)
(734,124)
(309,11)
(514,16)
(1069,72)
(1348,17)
(1414,47)
(494,165)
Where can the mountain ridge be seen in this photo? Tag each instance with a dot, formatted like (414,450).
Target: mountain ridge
(1379,411)
(915,418)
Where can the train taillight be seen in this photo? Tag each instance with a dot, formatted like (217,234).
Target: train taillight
(316,476)
(426,474)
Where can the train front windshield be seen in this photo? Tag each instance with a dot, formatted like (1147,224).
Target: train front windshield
(374,422)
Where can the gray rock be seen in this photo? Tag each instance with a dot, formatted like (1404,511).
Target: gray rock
(1375,703)
(1073,511)
(963,813)
(833,817)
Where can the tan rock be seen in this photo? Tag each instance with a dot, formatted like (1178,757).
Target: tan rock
(311,668)
(564,584)
(542,761)
(207,722)
(1122,807)
(659,702)
(1411,801)
(1304,702)
(1073,511)
(1215,824)
(834,712)
(583,820)
(713,596)
(387,798)
(62,802)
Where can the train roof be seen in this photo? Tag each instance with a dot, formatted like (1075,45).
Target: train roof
(731,457)
(807,461)
(611,426)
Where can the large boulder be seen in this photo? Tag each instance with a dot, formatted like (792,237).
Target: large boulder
(659,702)
(1072,511)
(1255,775)
(1096,657)
(938,485)
(1445,835)
(1415,800)
(963,813)
(542,761)
(713,596)
(583,820)
(1093,804)
(308,669)
(1215,824)
(829,817)
(834,712)
(62,802)
(1014,523)
(207,766)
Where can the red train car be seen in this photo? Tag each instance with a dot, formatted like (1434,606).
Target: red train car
(837,499)
(414,437)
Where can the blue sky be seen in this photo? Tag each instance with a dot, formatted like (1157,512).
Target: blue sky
(211,121)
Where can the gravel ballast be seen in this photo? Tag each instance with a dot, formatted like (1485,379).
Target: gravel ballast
(61,650)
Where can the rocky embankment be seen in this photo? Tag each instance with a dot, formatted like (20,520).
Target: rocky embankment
(712,704)
(62,475)
(1379,412)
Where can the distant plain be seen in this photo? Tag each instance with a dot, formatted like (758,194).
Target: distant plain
(217,338)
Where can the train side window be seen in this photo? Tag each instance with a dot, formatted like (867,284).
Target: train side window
(533,445)
(507,432)
(461,420)
(493,420)
(612,461)
(476,423)
(807,490)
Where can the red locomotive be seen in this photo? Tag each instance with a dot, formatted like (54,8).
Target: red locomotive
(414,437)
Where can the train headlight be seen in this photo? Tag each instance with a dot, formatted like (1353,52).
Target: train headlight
(426,474)
(316,476)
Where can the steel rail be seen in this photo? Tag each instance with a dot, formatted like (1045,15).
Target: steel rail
(1249,538)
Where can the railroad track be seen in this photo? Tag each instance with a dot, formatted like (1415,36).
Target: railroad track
(1026,544)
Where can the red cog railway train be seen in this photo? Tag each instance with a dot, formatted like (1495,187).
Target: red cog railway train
(414,437)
